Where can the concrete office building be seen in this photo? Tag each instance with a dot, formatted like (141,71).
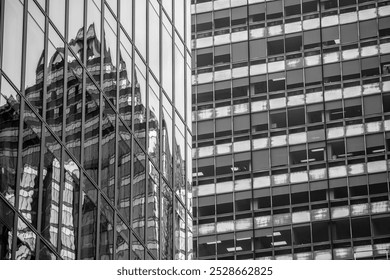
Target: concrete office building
(95,150)
(291,125)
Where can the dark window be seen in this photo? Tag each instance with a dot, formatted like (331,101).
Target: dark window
(259,121)
(274,9)
(296,116)
(222,90)
(239,15)
(292,7)
(293,43)
(259,84)
(275,46)
(204,58)
(309,6)
(278,119)
(222,54)
(384,26)
(257,12)
(370,66)
(276,82)
(240,87)
(203,22)
(221,19)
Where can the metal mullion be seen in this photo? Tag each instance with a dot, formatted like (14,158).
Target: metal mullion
(100,129)
(160,163)
(20,145)
(132,129)
(116,131)
(146,131)
(2,6)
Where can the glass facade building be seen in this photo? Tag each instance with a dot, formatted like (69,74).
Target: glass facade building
(291,125)
(95,150)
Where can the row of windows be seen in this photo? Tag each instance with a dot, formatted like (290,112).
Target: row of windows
(333,112)
(271,12)
(261,49)
(297,236)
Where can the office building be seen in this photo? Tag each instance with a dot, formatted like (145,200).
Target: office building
(95,150)
(291,125)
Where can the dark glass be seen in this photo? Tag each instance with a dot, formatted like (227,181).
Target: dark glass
(51,189)
(9,131)
(122,241)
(29,179)
(140,102)
(153,222)
(91,129)
(88,221)
(6,226)
(106,229)
(124,171)
(70,209)
(94,38)
(137,250)
(139,191)
(108,151)
(73,108)
(26,242)
(166,222)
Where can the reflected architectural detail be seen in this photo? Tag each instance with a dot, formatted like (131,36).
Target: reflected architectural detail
(90,139)
(291,111)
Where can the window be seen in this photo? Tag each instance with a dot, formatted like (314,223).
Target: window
(239,15)
(274,10)
(260,160)
(222,54)
(311,39)
(223,127)
(240,52)
(205,93)
(316,152)
(336,149)
(372,105)
(368,29)
(313,76)
(355,146)
(257,49)
(240,87)
(384,26)
(361,227)
(320,232)
(330,36)
(293,43)
(296,116)
(259,121)
(298,154)
(275,46)
(353,108)
(300,194)
(262,198)
(221,19)
(314,113)
(292,7)
(225,203)
(241,124)
(259,84)
(257,12)
(280,196)
(349,33)
(334,110)
(341,230)
(206,167)
(242,162)
(224,165)
(222,90)
(279,156)
(302,235)
(351,70)
(278,119)
(276,82)
(332,73)
(205,129)
(370,67)
(294,79)
(375,144)
(204,57)
(206,206)
(204,22)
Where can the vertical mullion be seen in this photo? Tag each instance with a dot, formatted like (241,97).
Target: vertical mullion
(132,128)
(160,94)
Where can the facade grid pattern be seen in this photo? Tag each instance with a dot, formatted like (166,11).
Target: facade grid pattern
(291,129)
(95,146)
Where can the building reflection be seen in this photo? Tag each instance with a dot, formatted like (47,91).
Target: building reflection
(69,207)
